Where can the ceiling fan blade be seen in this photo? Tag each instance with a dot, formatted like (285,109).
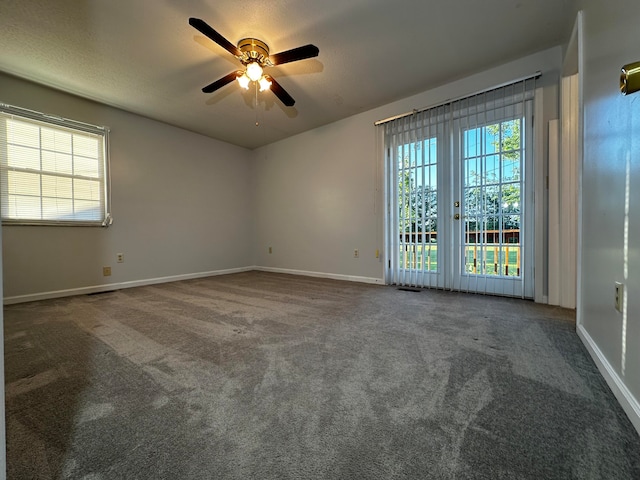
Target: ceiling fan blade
(205,29)
(280,92)
(221,82)
(295,54)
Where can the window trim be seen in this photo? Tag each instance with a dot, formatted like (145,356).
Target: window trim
(55,120)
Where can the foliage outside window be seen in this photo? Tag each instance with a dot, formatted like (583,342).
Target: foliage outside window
(52,170)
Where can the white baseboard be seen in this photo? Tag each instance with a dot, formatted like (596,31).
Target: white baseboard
(33,297)
(333,276)
(117,286)
(626,399)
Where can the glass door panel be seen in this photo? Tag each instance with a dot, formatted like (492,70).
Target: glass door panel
(460,202)
(490,164)
(417,167)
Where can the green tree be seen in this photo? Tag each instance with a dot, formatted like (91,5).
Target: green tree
(418,204)
(488,206)
(506,138)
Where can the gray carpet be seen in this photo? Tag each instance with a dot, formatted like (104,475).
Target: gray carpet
(267,376)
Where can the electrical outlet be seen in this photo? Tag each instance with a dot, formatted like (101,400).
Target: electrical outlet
(106,271)
(120,257)
(619,298)
(270,250)
(356,253)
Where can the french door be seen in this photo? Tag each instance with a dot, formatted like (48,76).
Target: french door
(460,198)
(492,232)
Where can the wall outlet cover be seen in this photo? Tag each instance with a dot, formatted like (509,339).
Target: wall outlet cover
(619,296)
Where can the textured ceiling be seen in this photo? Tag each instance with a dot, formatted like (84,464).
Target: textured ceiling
(142,55)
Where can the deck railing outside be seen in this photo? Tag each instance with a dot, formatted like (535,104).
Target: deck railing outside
(419,251)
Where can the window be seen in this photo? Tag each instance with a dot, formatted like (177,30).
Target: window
(53,171)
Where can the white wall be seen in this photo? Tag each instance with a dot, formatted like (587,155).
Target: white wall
(611,178)
(318,194)
(185,204)
(315,201)
(180,205)
(3,423)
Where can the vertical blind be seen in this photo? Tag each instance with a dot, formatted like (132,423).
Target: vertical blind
(496,230)
(52,170)
(414,144)
(421,150)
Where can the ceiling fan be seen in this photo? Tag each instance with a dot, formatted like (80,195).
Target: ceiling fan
(254,55)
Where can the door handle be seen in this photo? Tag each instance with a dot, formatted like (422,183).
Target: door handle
(456,216)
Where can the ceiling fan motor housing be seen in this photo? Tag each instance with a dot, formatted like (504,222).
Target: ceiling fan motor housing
(254,50)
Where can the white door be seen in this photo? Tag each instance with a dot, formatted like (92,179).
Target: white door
(460,200)
(493,202)
(415,219)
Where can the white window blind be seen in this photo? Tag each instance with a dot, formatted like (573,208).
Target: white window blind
(460,193)
(52,170)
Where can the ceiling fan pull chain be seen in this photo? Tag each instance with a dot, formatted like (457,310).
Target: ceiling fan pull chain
(257,124)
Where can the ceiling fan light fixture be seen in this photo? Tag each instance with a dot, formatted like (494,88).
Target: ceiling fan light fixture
(265,83)
(254,71)
(244,81)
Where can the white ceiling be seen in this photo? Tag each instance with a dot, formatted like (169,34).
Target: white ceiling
(144,57)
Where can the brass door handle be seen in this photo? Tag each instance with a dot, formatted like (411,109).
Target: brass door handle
(456,216)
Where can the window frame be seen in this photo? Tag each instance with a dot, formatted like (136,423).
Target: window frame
(53,121)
